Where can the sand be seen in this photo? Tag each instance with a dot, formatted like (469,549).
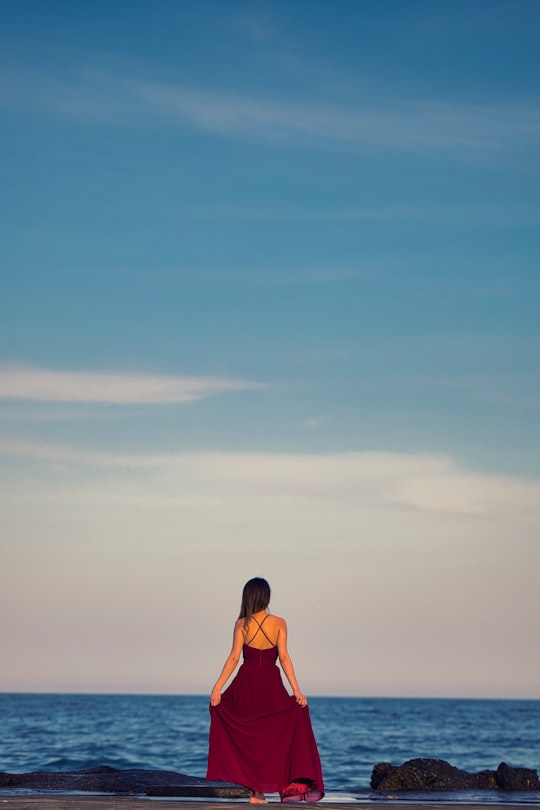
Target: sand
(89,802)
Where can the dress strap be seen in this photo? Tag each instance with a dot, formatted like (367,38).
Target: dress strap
(260,629)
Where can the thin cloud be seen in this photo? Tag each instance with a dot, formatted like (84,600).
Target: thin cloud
(392,124)
(44,451)
(509,215)
(420,483)
(113,389)
(64,413)
(374,122)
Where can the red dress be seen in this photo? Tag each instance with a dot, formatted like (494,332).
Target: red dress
(260,737)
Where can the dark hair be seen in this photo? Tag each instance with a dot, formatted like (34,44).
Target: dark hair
(255,597)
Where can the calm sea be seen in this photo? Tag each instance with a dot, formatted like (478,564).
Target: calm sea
(71,732)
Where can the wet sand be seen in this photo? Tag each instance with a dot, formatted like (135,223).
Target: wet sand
(78,802)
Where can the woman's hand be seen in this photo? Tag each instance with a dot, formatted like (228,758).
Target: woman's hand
(300,698)
(215,697)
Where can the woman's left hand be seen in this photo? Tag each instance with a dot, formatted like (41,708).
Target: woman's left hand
(300,698)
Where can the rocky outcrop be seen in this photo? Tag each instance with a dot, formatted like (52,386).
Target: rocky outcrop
(516,778)
(129,782)
(436,774)
(416,775)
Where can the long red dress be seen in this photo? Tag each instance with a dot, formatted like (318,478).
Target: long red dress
(260,737)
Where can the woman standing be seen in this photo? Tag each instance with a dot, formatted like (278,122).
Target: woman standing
(260,736)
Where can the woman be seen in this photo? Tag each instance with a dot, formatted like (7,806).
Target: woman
(260,736)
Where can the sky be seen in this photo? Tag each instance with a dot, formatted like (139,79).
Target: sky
(269,307)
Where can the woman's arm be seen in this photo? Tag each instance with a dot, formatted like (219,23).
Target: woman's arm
(230,664)
(287,664)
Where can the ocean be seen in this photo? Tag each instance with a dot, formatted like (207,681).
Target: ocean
(63,732)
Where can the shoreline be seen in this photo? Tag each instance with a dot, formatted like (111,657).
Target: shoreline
(109,802)
(21,799)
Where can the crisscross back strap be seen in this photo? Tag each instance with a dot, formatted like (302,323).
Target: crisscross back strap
(260,629)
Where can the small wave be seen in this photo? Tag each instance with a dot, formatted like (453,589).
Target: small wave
(78,732)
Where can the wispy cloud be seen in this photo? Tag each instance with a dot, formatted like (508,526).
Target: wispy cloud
(115,389)
(44,451)
(386,123)
(507,215)
(57,412)
(418,482)
(372,121)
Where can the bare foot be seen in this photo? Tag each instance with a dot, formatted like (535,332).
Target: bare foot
(257,798)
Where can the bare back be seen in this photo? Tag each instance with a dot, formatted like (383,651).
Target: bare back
(263,631)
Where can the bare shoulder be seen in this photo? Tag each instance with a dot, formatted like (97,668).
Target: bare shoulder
(279,623)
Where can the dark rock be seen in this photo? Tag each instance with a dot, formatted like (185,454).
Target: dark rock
(380,772)
(428,774)
(485,780)
(205,791)
(509,778)
(111,780)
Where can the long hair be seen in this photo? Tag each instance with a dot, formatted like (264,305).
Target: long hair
(255,597)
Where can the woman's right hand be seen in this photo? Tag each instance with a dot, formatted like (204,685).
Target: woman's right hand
(215,697)
(301,699)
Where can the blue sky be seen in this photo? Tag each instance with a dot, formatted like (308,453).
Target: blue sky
(269,304)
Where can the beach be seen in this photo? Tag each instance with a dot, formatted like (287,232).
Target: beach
(78,802)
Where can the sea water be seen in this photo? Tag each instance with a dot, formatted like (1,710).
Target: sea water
(63,732)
